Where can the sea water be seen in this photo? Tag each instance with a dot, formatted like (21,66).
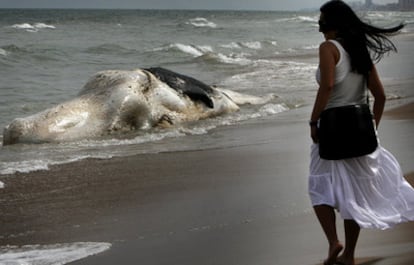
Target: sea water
(46,56)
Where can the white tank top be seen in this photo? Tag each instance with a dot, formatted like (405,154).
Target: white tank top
(350,87)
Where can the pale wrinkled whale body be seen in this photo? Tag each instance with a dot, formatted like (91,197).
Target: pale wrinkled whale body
(117,101)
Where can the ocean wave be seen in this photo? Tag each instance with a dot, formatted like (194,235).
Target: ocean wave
(310,47)
(275,75)
(43,26)
(306,19)
(238,53)
(201,22)
(32,54)
(231,45)
(232,58)
(33,27)
(24,166)
(207,53)
(3,52)
(266,110)
(46,156)
(254,45)
(272,109)
(12,49)
(309,50)
(140,139)
(109,48)
(27,166)
(193,50)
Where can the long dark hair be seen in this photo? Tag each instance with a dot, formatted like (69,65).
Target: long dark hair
(363,42)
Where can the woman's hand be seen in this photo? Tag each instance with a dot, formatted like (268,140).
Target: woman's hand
(314,134)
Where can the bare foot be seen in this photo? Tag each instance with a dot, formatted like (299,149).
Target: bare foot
(334,251)
(343,261)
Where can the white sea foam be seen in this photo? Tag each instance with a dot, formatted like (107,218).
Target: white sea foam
(24,166)
(27,166)
(43,26)
(193,50)
(3,52)
(233,58)
(189,49)
(274,43)
(108,148)
(23,26)
(299,19)
(307,19)
(310,47)
(272,109)
(205,48)
(201,22)
(281,76)
(1,185)
(231,45)
(33,27)
(149,137)
(256,45)
(56,254)
(264,111)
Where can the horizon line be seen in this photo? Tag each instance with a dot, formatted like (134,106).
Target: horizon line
(163,9)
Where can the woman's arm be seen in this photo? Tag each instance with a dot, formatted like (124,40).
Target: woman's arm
(377,90)
(328,57)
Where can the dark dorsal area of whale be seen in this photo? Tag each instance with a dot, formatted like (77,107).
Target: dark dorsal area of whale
(193,88)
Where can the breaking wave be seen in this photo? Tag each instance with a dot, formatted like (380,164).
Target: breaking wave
(33,27)
(201,22)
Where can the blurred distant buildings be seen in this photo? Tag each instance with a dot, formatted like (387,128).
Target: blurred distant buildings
(406,4)
(401,5)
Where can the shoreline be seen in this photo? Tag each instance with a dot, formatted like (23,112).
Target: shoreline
(401,112)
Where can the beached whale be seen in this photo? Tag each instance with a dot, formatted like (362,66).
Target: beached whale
(116,101)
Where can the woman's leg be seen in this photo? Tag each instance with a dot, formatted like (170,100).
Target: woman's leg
(326,217)
(352,230)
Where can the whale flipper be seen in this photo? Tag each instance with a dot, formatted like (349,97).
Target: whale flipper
(193,88)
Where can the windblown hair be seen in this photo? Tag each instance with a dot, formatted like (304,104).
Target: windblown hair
(364,43)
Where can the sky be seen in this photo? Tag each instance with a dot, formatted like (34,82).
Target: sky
(174,4)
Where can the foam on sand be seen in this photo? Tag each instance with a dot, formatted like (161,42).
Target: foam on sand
(56,254)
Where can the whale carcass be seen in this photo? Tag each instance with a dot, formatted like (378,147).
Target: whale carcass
(120,100)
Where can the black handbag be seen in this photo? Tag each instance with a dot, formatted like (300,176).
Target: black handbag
(346,132)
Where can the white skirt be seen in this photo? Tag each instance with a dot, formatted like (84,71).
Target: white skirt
(370,189)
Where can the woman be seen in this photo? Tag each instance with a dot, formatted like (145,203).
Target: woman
(368,191)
